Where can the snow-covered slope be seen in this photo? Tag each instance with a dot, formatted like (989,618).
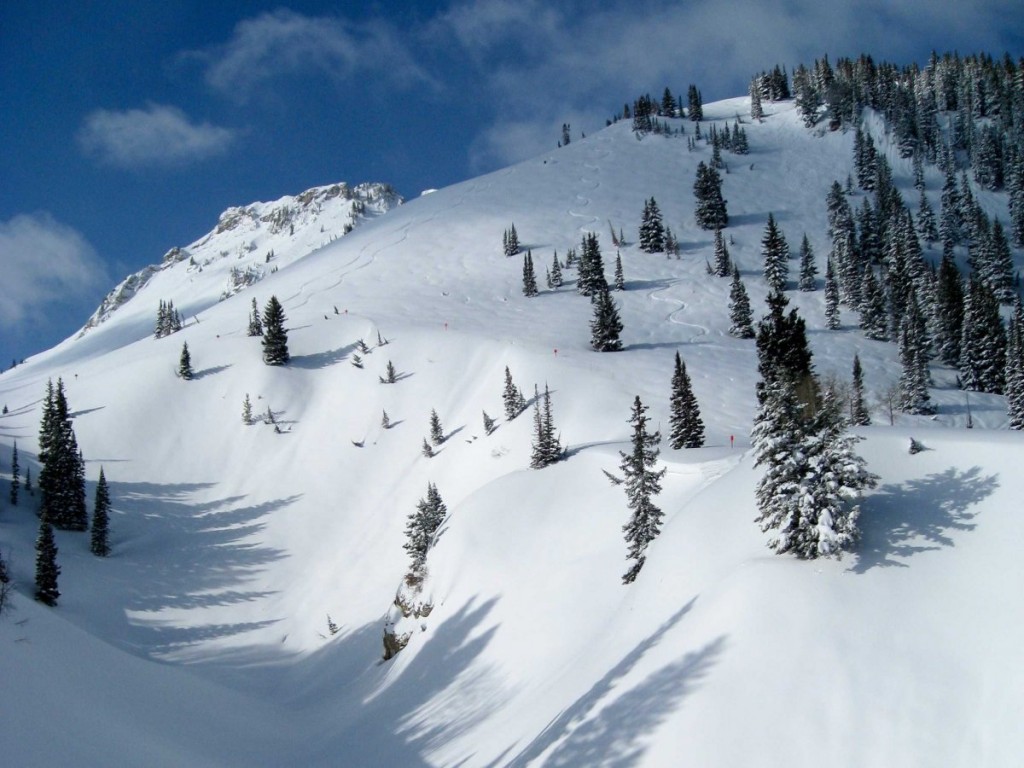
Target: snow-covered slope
(204,640)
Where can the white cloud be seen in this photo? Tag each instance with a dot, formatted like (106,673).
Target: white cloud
(287,43)
(155,136)
(44,263)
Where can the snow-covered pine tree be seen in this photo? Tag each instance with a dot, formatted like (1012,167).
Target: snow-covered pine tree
(436,432)
(775,252)
(983,341)
(47,569)
(808,270)
(99,542)
(591,280)
(510,242)
(529,276)
(247,410)
(275,337)
(741,316)
(15,475)
(427,450)
(695,106)
(255,321)
(488,424)
(756,111)
(556,272)
(620,279)
(185,363)
(546,448)
(641,483)
(859,415)
(385,420)
(913,382)
(873,315)
(831,297)
(1013,386)
(652,231)
(926,226)
(605,327)
(710,211)
(948,311)
(62,474)
(421,527)
(512,397)
(687,427)
(723,264)
(390,375)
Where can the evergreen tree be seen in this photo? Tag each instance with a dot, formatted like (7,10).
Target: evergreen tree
(696,109)
(949,311)
(741,316)
(512,397)
(423,524)
(620,279)
(62,474)
(1014,372)
(926,226)
(652,231)
(591,280)
(783,352)
(831,297)
(427,450)
(275,337)
(255,322)
(807,267)
(185,363)
(983,341)
(858,409)
(47,569)
(775,252)
(687,425)
(811,475)
(488,424)
(756,111)
(436,432)
(99,543)
(913,383)
(723,264)
(546,448)
(15,475)
(873,308)
(511,242)
(642,483)
(710,205)
(556,272)
(247,410)
(605,326)
(390,375)
(385,420)
(529,276)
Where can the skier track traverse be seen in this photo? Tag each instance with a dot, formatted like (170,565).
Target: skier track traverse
(672,316)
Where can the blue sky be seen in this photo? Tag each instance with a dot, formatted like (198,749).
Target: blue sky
(129,126)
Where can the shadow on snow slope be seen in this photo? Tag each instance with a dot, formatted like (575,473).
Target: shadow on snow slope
(588,734)
(214,556)
(895,518)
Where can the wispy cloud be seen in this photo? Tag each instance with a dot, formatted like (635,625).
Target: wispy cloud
(44,262)
(159,135)
(285,43)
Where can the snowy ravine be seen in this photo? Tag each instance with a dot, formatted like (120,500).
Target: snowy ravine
(203,639)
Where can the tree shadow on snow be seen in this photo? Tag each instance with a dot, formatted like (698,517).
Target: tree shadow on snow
(587,733)
(215,556)
(919,515)
(319,360)
(210,371)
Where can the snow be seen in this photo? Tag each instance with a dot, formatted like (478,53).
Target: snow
(203,640)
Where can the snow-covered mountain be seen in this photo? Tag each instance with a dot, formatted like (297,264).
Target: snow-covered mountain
(203,639)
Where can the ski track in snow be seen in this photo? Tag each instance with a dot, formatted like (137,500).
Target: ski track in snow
(672,316)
